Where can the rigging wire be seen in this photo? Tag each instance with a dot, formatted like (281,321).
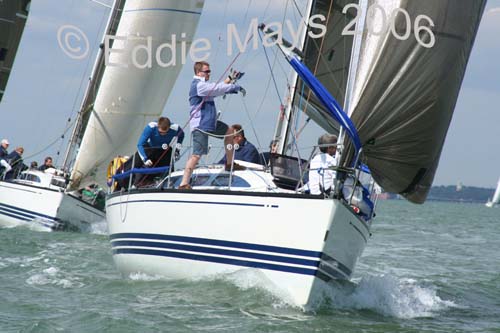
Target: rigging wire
(82,80)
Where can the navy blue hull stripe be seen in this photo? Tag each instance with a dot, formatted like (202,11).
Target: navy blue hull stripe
(221,243)
(195,202)
(14,216)
(163,10)
(228,261)
(27,213)
(208,250)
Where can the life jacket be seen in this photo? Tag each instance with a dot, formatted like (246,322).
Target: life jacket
(116,165)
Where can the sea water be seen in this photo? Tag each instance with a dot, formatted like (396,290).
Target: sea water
(427,268)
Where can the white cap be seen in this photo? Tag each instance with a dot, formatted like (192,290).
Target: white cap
(5,142)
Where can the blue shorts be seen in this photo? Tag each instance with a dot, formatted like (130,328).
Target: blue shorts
(200,139)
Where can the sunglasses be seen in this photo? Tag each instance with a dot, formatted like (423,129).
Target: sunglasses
(208,71)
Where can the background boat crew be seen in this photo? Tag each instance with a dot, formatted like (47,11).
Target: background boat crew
(3,148)
(154,148)
(15,160)
(203,117)
(321,176)
(34,165)
(243,149)
(4,165)
(47,164)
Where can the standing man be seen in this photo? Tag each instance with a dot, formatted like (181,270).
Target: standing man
(203,118)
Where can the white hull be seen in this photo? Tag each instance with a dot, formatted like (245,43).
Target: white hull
(298,242)
(24,204)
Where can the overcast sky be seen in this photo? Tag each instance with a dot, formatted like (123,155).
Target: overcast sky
(46,86)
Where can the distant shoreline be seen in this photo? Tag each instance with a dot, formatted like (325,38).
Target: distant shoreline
(451,193)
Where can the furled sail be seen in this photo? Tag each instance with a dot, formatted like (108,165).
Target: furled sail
(327,57)
(132,94)
(13,15)
(406,85)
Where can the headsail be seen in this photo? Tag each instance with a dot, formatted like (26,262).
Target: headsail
(130,97)
(328,58)
(405,91)
(13,15)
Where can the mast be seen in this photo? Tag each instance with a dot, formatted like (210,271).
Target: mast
(92,87)
(285,117)
(353,67)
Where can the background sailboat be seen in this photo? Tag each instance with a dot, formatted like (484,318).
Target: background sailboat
(496,197)
(122,96)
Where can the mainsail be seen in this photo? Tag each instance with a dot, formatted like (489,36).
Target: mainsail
(405,90)
(129,95)
(13,15)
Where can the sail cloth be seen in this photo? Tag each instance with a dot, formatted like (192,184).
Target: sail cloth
(13,15)
(404,93)
(129,98)
(328,58)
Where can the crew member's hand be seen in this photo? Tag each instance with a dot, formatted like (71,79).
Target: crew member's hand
(235,76)
(243,91)
(148,163)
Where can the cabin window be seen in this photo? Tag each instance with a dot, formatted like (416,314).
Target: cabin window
(33,178)
(223,180)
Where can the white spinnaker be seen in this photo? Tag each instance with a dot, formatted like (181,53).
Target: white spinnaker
(130,97)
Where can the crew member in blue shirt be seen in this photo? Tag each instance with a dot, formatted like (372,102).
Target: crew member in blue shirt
(243,149)
(155,139)
(154,149)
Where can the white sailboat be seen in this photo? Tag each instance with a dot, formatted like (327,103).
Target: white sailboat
(261,218)
(496,197)
(117,97)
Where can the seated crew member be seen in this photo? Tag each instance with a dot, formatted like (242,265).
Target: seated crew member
(321,176)
(154,148)
(273,149)
(47,164)
(4,165)
(3,148)
(243,149)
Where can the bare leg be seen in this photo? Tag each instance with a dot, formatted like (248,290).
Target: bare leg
(188,171)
